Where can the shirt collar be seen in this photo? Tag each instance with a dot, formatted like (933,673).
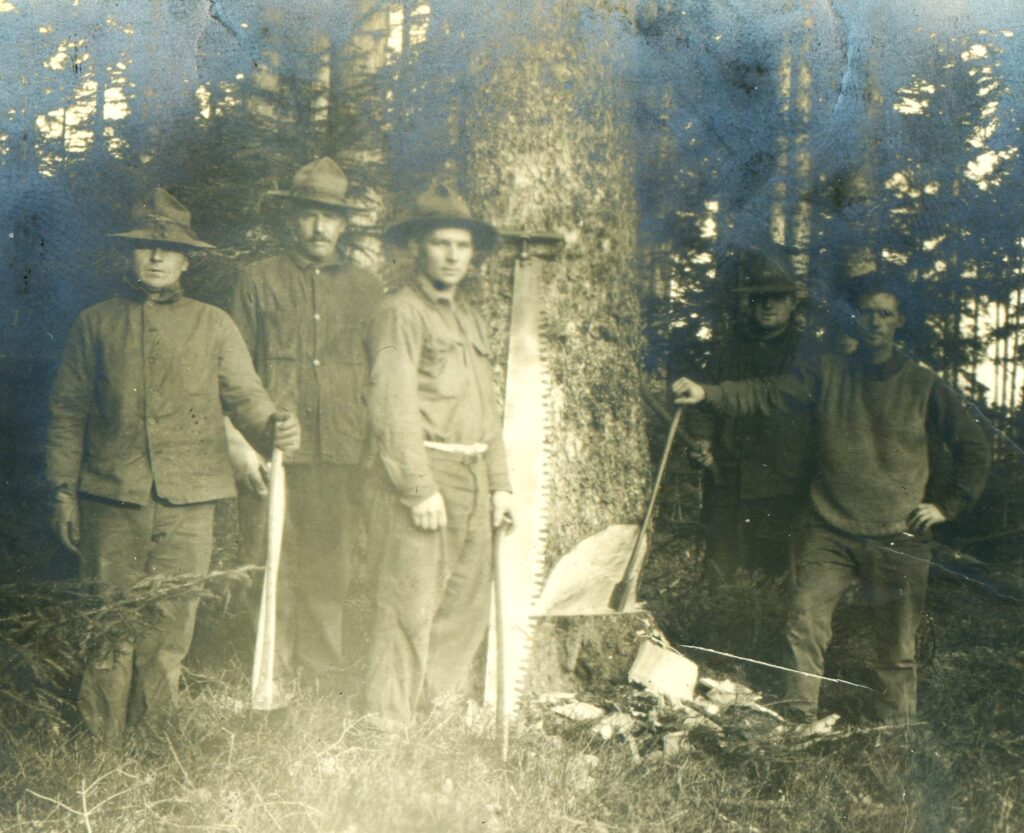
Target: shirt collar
(306,264)
(424,288)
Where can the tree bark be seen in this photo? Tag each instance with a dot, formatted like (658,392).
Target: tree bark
(548,135)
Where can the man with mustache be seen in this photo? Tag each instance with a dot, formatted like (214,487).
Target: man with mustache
(874,413)
(303,314)
(136,453)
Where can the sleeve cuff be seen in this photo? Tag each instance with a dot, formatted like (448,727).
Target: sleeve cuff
(713,395)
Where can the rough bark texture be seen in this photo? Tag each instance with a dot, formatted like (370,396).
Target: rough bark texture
(547,129)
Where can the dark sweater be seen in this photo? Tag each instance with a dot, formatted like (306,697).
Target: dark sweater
(872,425)
(759,456)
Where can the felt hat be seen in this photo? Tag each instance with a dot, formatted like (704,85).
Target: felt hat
(162,219)
(321,182)
(440,207)
(760,274)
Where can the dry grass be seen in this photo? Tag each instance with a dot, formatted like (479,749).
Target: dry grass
(317,768)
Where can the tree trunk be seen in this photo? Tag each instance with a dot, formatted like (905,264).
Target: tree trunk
(549,146)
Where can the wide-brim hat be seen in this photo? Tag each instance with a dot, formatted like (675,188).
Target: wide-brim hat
(759,274)
(440,206)
(321,182)
(162,219)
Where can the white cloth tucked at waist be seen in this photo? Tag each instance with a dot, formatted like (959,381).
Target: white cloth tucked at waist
(456,448)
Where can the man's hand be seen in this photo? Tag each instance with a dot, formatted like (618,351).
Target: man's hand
(924,517)
(501,510)
(700,454)
(687,391)
(66,521)
(251,470)
(287,433)
(430,514)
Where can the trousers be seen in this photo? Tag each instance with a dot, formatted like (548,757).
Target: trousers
(749,534)
(894,571)
(120,545)
(433,592)
(323,522)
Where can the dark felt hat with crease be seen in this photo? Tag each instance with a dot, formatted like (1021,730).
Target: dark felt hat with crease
(759,274)
(321,182)
(162,219)
(440,207)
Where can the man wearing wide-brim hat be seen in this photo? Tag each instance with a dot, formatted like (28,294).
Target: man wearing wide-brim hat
(136,453)
(303,314)
(441,480)
(762,463)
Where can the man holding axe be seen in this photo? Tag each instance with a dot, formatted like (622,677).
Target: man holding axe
(136,454)
(303,314)
(441,483)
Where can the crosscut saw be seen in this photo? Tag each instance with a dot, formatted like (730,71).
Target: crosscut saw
(600,574)
(526,433)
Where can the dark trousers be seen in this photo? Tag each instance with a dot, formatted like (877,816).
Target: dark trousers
(433,592)
(748,534)
(894,570)
(323,521)
(122,544)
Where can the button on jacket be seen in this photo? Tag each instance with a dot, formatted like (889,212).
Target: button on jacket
(431,380)
(140,398)
(304,324)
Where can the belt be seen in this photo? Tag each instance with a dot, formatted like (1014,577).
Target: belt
(468,453)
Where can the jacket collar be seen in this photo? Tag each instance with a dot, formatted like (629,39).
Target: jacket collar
(305,264)
(168,295)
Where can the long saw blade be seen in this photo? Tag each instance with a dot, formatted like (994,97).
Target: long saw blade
(525,433)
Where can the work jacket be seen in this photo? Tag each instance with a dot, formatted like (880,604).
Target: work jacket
(304,324)
(140,397)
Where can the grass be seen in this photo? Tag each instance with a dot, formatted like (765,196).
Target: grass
(318,768)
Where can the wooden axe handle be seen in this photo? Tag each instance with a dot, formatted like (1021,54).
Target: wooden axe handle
(624,594)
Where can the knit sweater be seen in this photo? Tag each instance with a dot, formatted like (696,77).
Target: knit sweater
(758,457)
(872,424)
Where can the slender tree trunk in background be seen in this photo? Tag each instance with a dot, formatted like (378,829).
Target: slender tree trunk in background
(548,131)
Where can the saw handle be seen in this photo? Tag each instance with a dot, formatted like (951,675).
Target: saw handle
(624,594)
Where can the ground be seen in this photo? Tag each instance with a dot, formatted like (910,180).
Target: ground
(319,768)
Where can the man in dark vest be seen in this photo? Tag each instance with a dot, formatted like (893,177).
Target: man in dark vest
(303,314)
(762,462)
(442,480)
(874,412)
(136,453)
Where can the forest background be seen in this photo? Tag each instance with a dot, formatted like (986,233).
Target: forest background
(653,135)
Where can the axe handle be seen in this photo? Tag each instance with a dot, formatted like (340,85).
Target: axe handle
(685,436)
(501,709)
(625,591)
(266,633)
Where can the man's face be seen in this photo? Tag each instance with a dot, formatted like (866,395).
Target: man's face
(317,231)
(879,317)
(771,311)
(158,268)
(444,256)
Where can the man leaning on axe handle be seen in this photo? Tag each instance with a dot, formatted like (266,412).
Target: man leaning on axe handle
(136,453)
(441,482)
(303,314)
(874,412)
